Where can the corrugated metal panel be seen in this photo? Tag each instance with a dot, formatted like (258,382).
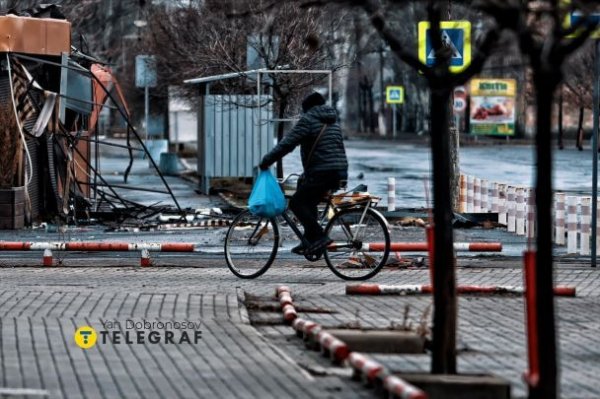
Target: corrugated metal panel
(237,134)
(33,188)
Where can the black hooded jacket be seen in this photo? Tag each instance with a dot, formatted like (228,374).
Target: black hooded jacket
(329,154)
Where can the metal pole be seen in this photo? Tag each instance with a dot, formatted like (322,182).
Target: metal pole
(331,89)
(595,153)
(146,109)
(381,90)
(394,121)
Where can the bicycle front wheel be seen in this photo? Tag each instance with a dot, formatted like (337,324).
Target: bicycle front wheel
(361,243)
(251,244)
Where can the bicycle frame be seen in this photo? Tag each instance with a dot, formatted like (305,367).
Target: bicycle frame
(351,237)
(293,226)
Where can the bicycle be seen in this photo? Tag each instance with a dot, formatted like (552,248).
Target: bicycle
(360,234)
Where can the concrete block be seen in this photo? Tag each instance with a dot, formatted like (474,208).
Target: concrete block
(380,341)
(459,386)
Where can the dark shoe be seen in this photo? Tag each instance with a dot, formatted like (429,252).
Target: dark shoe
(299,249)
(319,246)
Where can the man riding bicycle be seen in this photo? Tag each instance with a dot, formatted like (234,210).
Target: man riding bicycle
(324,162)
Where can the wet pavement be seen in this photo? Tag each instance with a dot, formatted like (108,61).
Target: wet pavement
(497,162)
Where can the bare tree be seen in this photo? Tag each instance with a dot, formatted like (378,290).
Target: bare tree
(213,39)
(578,86)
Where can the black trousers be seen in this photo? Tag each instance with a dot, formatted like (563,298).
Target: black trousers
(309,193)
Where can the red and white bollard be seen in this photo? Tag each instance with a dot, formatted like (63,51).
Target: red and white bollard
(289,313)
(559,206)
(476,195)
(469,194)
(494,199)
(531,214)
(572,224)
(463,193)
(365,367)
(391,197)
(586,220)
(399,388)
(285,299)
(520,212)
(484,195)
(511,223)
(47,258)
(502,215)
(145,260)
(280,289)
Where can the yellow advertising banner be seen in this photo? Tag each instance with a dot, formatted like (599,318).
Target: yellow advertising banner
(492,110)
(493,87)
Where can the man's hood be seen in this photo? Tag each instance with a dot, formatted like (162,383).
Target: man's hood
(324,113)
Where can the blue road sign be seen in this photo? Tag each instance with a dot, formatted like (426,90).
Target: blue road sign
(592,19)
(394,94)
(575,18)
(452,38)
(145,71)
(455,35)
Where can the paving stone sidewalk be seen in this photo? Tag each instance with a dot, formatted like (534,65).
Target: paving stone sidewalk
(40,309)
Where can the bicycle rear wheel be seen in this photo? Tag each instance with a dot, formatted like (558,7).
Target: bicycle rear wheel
(251,245)
(361,243)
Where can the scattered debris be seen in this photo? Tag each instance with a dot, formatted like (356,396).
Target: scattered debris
(56,132)
(410,221)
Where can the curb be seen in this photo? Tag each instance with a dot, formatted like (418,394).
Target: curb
(364,368)
(408,289)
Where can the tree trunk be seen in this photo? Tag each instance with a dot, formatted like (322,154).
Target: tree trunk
(560,119)
(444,294)
(361,109)
(371,107)
(455,169)
(544,296)
(580,129)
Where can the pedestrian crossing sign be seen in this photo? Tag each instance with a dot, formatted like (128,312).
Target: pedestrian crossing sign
(394,94)
(456,35)
(579,19)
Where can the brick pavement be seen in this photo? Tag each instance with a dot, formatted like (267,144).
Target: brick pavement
(41,307)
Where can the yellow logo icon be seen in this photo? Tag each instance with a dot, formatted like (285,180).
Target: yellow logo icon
(85,337)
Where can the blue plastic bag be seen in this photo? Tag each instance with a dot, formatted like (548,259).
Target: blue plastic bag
(266,199)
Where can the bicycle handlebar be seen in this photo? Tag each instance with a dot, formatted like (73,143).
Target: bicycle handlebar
(285,179)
